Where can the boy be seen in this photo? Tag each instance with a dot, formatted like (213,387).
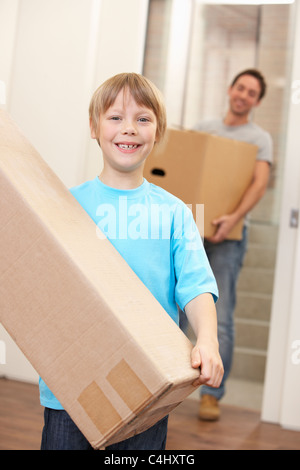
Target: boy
(127,117)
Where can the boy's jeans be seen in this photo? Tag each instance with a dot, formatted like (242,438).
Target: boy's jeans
(61,433)
(226,259)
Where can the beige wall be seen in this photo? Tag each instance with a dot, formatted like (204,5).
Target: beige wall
(53,54)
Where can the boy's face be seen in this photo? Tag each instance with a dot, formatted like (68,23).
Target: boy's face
(126,134)
(244,95)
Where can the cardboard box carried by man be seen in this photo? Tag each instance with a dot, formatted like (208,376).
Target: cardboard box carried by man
(203,169)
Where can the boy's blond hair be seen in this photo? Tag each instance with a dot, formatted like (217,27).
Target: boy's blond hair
(143,91)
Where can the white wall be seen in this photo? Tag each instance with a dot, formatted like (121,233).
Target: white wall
(178,53)
(282,382)
(53,55)
(8,17)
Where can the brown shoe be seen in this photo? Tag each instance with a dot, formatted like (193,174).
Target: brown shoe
(209,408)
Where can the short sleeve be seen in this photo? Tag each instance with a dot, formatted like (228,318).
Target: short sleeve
(265,148)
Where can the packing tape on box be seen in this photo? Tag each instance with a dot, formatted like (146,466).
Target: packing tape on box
(130,388)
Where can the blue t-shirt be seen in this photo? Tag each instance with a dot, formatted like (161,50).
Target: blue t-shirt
(155,233)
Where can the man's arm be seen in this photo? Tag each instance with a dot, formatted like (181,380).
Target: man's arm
(201,313)
(251,197)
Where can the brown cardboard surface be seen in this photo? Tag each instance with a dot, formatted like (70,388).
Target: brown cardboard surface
(200,168)
(100,340)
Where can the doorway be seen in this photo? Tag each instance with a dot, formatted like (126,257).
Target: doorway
(204,47)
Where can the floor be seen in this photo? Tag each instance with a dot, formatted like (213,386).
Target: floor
(21,420)
(245,394)
(238,429)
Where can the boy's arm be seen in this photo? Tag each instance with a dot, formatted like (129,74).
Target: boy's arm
(201,313)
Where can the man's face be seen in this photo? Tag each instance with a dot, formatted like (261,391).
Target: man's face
(244,95)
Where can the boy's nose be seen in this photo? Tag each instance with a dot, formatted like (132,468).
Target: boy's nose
(129,128)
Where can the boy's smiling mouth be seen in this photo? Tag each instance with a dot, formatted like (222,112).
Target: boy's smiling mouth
(127,146)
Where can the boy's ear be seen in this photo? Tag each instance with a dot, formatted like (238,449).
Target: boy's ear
(93,131)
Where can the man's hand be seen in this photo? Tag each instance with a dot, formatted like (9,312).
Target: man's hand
(224,225)
(251,197)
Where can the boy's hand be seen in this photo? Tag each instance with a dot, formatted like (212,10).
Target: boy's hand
(207,358)
(202,315)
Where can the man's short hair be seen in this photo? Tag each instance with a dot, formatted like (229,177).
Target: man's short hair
(143,91)
(256,74)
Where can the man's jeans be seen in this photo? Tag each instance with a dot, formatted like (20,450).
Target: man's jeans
(226,259)
(61,433)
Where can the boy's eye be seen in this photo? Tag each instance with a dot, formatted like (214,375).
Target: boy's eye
(143,119)
(115,118)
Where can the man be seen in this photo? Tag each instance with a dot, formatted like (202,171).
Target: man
(226,256)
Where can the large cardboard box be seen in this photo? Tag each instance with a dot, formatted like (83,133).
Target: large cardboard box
(89,326)
(203,169)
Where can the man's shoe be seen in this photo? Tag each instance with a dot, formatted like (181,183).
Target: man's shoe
(209,408)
